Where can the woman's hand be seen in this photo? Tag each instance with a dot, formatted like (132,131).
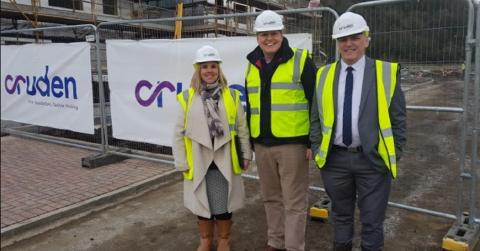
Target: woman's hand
(246,163)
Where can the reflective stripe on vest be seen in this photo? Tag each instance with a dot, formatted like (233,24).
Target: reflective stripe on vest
(326,113)
(289,106)
(231,98)
(386,75)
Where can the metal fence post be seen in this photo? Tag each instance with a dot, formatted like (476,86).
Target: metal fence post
(103,119)
(469,42)
(476,121)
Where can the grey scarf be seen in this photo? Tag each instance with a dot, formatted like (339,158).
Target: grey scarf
(210,96)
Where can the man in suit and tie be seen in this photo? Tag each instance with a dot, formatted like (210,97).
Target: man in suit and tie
(358,131)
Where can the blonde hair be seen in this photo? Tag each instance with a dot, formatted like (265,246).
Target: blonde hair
(197,79)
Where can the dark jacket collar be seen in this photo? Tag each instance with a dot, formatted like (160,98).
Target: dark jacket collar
(283,54)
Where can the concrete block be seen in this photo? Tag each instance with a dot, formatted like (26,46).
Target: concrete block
(320,210)
(101,159)
(462,237)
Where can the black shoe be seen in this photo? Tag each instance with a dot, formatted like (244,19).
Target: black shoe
(342,247)
(368,249)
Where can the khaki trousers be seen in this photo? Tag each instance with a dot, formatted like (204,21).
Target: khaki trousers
(283,172)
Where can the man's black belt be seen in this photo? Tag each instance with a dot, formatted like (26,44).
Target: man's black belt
(357,149)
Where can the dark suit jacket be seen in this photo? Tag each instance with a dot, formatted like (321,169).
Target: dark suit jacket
(368,118)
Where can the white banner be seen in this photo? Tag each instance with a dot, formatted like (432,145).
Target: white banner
(48,85)
(145,76)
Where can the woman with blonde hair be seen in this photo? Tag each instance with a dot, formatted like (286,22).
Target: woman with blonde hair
(211,147)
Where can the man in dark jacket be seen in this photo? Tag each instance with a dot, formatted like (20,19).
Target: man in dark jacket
(279,85)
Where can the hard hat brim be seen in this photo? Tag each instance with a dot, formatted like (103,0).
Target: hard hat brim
(197,63)
(352,32)
(209,60)
(276,28)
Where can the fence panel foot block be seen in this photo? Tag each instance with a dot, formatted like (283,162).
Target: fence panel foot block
(102,159)
(462,237)
(320,210)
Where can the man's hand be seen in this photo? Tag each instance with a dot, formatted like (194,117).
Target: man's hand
(313,3)
(308,154)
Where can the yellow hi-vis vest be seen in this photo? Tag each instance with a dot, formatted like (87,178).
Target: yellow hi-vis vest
(230,99)
(386,75)
(289,106)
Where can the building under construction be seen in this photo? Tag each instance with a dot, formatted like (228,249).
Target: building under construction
(22,14)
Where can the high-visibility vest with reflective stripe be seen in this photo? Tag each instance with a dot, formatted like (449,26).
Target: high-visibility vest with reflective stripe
(289,106)
(386,75)
(230,100)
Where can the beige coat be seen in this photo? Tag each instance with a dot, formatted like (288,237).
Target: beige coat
(204,153)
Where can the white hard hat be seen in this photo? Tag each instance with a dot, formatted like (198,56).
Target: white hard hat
(349,23)
(207,54)
(268,21)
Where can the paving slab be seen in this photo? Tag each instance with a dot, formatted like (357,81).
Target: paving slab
(40,180)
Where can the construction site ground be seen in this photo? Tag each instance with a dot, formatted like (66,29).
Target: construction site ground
(156,219)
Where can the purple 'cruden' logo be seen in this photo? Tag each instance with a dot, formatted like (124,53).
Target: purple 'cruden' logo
(157,92)
(55,86)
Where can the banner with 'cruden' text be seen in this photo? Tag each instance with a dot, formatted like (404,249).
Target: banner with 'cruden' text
(48,85)
(145,76)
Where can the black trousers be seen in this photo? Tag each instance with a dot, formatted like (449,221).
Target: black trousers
(348,178)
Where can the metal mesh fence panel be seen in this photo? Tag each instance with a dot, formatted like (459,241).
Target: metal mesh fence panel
(429,39)
(426,37)
(317,23)
(431,48)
